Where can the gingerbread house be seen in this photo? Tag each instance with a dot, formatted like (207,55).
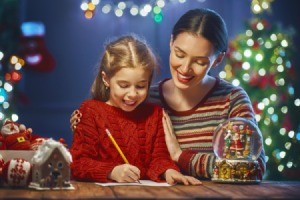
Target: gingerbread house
(51,166)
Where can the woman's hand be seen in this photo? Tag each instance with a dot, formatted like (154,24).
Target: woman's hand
(172,177)
(75,119)
(171,140)
(125,173)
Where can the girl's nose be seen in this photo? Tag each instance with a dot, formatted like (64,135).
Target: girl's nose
(133,92)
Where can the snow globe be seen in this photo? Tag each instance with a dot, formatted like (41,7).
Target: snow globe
(237,144)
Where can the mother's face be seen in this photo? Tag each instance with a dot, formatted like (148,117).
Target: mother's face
(191,58)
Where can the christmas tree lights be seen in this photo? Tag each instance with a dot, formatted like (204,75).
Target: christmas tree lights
(260,61)
(10,63)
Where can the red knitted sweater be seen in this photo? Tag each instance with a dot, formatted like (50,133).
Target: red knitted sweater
(139,134)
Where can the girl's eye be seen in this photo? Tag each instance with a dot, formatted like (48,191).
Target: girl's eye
(123,85)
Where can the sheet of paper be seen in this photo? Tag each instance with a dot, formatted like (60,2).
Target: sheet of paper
(143,183)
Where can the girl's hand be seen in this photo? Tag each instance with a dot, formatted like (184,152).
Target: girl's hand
(125,173)
(173,177)
(75,119)
(171,140)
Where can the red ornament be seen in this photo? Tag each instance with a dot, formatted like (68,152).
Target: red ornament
(287,122)
(17,172)
(255,108)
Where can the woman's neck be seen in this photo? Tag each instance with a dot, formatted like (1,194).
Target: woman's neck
(183,100)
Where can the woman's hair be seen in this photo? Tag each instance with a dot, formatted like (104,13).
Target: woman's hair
(124,52)
(204,22)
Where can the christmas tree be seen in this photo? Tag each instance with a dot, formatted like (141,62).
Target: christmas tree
(10,63)
(260,61)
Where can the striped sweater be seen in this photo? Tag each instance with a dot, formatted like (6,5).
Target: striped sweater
(194,128)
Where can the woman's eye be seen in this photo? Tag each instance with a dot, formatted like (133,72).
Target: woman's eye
(140,86)
(179,55)
(202,62)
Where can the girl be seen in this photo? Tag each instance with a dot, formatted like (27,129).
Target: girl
(117,105)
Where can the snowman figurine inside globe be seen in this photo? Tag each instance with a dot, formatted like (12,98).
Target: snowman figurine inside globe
(237,144)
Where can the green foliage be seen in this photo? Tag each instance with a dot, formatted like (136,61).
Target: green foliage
(260,61)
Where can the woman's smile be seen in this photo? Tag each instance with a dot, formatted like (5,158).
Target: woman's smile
(184,78)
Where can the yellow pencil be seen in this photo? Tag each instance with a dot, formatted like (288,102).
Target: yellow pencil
(117,147)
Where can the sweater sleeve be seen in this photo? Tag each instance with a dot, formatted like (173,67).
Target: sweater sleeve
(161,160)
(86,165)
(199,164)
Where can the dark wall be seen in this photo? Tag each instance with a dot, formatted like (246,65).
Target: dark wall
(76,44)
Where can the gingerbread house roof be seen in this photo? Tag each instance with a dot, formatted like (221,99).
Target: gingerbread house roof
(46,148)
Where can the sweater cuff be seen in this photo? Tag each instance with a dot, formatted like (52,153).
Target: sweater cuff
(184,160)
(102,174)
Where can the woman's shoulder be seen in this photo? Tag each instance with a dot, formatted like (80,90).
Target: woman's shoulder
(227,87)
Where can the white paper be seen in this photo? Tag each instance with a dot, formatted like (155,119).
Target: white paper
(143,183)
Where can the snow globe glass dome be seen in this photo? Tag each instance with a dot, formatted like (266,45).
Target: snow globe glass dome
(237,138)
(237,144)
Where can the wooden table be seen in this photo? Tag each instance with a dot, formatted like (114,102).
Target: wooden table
(209,190)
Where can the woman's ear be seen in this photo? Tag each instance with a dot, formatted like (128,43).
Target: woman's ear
(219,59)
(105,79)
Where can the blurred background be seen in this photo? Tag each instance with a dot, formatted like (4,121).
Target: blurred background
(49,51)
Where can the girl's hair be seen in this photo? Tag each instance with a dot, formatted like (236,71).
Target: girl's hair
(124,52)
(204,22)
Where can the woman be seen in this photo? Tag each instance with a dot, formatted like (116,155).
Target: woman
(195,102)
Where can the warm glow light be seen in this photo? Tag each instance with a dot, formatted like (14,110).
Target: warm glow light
(246,66)
(14,117)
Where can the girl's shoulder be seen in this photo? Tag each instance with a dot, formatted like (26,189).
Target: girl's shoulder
(91,103)
(91,106)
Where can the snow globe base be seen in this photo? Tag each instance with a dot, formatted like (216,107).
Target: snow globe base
(236,171)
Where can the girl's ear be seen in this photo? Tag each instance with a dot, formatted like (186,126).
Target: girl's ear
(219,59)
(105,79)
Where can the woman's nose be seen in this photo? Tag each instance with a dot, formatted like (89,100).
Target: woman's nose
(186,66)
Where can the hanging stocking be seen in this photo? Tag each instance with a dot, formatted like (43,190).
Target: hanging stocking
(34,50)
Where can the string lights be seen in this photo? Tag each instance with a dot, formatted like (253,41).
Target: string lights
(7,82)
(142,8)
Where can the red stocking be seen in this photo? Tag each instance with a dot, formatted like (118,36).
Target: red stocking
(34,50)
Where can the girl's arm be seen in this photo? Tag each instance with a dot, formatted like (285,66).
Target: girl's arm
(161,160)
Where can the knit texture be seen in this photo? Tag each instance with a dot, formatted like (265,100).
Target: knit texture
(139,134)
(194,128)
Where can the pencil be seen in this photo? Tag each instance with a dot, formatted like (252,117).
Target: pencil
(117,147)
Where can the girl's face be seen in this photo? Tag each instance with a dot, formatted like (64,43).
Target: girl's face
(128,87)
(191,58)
